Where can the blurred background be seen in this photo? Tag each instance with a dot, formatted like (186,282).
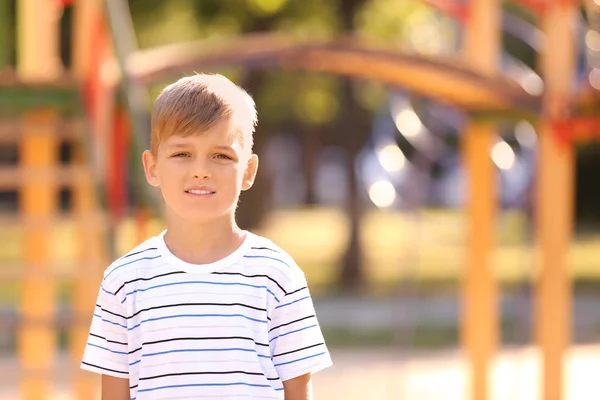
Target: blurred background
(364,179)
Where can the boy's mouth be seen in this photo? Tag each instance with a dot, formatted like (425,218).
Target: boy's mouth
(200,190)
(195,191)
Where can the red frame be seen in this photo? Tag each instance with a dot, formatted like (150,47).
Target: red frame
(458,10)
(541,6)
(579,128)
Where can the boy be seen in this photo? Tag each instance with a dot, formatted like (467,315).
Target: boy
(205,310)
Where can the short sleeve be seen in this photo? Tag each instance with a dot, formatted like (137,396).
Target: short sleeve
(106,351)
(295,337)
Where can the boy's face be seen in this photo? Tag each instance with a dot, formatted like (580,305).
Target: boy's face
(201,176)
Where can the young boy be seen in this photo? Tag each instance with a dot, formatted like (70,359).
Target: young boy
(205,310)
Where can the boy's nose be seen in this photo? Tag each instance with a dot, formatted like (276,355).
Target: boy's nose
(201,171)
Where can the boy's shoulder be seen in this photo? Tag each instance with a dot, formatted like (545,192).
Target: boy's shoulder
(124,268)
(269,253)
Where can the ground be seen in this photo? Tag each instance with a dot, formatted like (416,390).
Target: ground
(388,374)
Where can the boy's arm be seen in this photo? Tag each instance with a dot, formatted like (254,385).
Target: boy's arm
(299,388)
(296,342)
(106,351)
(114,388)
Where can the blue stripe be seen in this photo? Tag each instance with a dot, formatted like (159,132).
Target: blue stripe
(105,348)
(195,315)
(207,384)
(130,262)
(295,301)
(270,258)
(300,359)
(205,283)
(198,351)
(290,332)
(110,322)
(106,291)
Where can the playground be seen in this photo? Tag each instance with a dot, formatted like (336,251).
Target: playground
(425,164)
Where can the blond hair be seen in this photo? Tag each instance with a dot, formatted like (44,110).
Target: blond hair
(194,104)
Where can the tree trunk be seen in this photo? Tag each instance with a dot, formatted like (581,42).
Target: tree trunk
(311,138)
(256,202)
(352,277)
(353,129)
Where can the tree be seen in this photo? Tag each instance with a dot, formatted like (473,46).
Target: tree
(353,129)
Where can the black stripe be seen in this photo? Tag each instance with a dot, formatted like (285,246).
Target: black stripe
(265,248)
(206,338)
(196,304)
(200,338)
(148,279)
(109,341)
(106,369)
(253,276)
(289,323)
(206,373)
(110,312)
(138,252)
(294,351)
(296,291)
(133,387)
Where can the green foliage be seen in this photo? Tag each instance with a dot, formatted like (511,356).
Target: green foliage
(409,24)
(309,18)
(290,96)
(6,33)
(266,7)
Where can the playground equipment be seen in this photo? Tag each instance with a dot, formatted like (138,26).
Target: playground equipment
(102,64)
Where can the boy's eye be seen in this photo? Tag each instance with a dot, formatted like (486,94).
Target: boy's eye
(223,157)
(181,155)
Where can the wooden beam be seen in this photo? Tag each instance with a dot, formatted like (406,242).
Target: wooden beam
(66,130)
(479,291)
(14,99)
(25,176)
(444,79)
(554,201)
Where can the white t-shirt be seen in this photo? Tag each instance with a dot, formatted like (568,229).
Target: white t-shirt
(233,329)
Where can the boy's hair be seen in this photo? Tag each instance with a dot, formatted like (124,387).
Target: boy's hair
(196,103)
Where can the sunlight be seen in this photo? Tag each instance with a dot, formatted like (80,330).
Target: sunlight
(392,158)
(408,123)
(503,155)
(382,194)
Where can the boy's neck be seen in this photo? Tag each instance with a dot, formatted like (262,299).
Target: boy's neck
(203,243)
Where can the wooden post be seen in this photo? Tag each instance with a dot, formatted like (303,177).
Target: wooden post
(554,202)
(479,294)
(37,61)
(38,204)
(38,45)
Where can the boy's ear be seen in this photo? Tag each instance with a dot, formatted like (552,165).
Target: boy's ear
(250,173)
(150,168)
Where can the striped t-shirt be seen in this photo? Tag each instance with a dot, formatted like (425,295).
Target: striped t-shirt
(233,329)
